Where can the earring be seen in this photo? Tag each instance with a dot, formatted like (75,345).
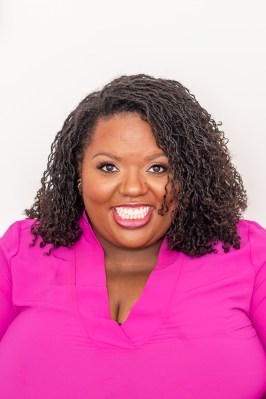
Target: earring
(79,185)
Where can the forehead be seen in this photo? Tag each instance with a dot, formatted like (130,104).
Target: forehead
(126,133)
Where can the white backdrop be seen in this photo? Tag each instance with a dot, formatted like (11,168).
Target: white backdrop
(54,52)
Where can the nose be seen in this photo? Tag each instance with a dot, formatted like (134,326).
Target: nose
(133,185)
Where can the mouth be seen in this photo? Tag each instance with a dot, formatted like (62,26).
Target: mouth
(132,217)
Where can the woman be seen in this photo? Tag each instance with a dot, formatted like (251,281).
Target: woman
(134,274)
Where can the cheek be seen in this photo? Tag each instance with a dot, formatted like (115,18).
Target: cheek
(96,193)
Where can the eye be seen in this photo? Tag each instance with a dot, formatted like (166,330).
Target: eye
(158,168)
(108,167)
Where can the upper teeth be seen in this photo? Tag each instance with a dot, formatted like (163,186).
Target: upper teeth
(132,213)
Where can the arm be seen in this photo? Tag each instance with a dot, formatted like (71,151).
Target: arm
(257,239)
(8,248)
(258,304)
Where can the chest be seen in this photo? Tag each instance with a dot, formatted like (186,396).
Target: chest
(124,289)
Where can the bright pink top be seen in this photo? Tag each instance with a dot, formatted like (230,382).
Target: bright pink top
(198,329)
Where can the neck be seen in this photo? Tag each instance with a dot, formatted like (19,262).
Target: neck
(128,259)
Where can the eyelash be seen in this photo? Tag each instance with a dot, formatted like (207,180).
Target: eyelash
(101,165)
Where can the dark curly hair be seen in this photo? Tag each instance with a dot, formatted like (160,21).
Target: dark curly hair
(211,197)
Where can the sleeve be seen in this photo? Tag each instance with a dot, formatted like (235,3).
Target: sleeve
(257,236)
(258,304)
(8,248)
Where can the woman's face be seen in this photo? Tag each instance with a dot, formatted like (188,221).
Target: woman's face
(123,157)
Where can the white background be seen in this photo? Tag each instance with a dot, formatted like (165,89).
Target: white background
(55,52)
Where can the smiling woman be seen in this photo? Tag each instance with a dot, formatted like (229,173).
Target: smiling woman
(134,274)
(140,182)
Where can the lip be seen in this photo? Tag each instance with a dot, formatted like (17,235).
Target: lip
(132,205)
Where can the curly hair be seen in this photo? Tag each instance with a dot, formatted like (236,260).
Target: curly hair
(211,196)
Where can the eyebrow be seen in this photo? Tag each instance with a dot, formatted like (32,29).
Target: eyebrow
(149,158)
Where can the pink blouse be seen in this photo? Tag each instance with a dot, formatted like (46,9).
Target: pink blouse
(198,329)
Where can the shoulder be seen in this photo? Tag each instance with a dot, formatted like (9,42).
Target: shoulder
(254,234)
(16,233)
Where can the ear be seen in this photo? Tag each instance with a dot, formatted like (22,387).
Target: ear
(79,181)
(79,184)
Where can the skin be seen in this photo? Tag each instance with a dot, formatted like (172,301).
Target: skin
(135,177)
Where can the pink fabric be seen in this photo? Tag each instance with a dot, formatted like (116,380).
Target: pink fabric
(198,329)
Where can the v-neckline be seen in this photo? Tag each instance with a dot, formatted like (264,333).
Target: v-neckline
(92,295)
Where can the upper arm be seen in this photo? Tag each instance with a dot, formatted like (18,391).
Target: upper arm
(258,304)
(257,239)
(8,248)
